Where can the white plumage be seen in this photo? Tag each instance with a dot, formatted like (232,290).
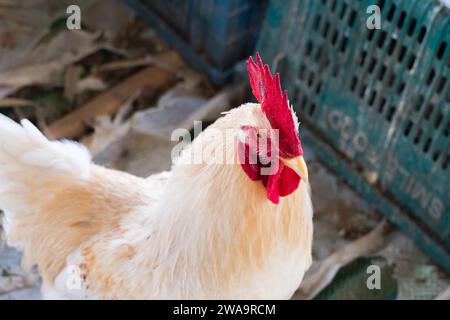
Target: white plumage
(198,231)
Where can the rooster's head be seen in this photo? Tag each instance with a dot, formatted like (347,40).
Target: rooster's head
(261,147)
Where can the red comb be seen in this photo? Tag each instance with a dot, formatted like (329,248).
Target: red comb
(275,105)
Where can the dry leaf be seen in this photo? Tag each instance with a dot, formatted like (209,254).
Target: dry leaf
(91,83)
(71,81)
(370,243)
(65,49)
(444,295)
(107,130)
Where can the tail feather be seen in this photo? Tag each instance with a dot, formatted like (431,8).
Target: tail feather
(24,145)
(32,172)
(54,198)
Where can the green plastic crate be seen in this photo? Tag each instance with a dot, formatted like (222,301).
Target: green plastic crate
(213,35)
(375,104)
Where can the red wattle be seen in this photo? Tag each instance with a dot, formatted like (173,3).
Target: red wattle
(273,187)
(289,181)
(252,170)
(281,184)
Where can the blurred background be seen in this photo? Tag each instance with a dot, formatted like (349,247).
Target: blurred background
(374,105)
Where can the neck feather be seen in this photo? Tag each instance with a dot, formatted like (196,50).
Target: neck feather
(220,222)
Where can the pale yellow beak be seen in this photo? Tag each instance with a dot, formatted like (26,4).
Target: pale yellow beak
(298,165)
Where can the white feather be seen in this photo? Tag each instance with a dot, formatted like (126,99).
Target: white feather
(24,145)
